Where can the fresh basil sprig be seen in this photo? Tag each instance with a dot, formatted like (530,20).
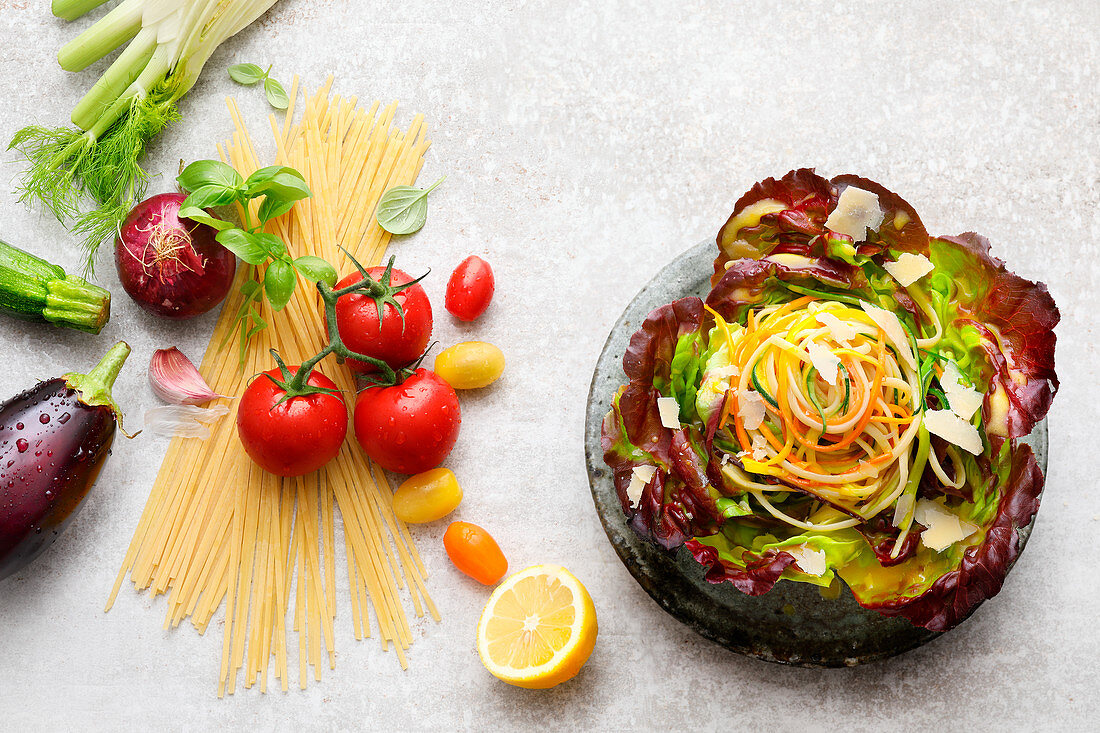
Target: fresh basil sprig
(249,74)
(212,183)
(404,209)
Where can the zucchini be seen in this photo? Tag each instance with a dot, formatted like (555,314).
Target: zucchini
(35,290)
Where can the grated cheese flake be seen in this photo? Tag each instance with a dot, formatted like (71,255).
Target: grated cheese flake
(825,361)
(856,212)
(670,412)
(954,430)
(750,408)
(909,268)
(964,401)
(639,479)
(895,332)
(943,528)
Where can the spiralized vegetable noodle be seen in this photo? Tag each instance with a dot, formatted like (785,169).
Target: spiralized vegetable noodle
(218,528)
(841,406)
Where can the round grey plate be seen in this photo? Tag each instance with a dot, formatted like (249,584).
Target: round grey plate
(792,623)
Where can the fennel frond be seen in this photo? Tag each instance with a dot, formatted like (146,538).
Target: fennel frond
(169,42)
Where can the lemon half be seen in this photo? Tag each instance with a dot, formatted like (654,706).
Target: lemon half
(538,628)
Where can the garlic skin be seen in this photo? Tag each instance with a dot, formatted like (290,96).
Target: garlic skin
(175,379)
(183,421)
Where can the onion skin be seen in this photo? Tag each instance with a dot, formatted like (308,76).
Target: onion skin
(43,486)
(172,267)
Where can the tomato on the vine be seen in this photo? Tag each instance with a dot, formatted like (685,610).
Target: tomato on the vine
(470,288)
(298,436)
(398,341)
(408,427)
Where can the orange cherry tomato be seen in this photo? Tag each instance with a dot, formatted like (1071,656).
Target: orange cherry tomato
(475,552)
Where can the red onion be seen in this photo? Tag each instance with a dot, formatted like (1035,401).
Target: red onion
(171,267)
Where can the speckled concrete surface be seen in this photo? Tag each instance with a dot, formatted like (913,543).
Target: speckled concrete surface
(585,144)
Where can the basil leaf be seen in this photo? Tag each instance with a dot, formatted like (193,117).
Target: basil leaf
(404,209)
(282,186)
(276,95)
(196,214)
(316,269)
(242,244)
(207,196)
(279,284)
(209,173)
(271,244)
(247,74)
(273,207)
(260,180)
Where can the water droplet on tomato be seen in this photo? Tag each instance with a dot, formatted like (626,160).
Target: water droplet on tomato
(399,439)
(19,426)
(64,418)
(44,418)
(22,445)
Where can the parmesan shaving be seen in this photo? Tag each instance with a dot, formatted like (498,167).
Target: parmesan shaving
(964,401)
(909,268)
(825,361)
(750,408)
(759,447)
(954,430)
(670,412)
(841,331)
(724,372)
(943,528)
(810,561)
(857,212)
(793,261)
(639,479)
(895,332)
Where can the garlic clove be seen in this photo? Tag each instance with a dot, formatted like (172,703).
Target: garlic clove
(175,379)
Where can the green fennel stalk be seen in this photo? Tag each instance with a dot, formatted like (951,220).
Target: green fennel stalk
(99,157)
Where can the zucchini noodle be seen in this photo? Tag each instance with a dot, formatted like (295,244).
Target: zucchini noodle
(846,443)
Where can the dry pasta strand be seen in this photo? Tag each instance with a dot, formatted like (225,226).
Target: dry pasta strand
(218,529)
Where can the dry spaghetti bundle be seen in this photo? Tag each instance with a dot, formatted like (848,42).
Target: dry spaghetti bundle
(217,528)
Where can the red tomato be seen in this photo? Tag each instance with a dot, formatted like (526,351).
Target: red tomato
(475,552)
(409,427)
(470,288)
(397,343)
(296,437)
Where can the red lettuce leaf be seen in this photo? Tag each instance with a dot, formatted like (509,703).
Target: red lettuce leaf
(982,571)
(998,302)
(679,501)
(760,574)
(788,215)
(881,536)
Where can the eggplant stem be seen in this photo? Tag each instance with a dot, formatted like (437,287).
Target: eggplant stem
(95,386)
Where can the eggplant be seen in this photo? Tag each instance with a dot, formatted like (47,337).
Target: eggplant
(54,440)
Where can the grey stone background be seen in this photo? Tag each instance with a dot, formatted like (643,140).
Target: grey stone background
(586,144)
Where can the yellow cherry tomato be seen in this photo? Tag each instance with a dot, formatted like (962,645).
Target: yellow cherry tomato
(427,496)
(470,365)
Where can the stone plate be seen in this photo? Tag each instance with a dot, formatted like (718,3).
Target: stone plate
(792,623)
